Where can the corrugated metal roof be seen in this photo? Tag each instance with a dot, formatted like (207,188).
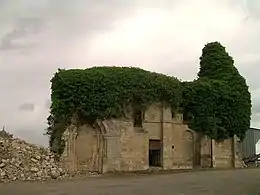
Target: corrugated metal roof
(255,129)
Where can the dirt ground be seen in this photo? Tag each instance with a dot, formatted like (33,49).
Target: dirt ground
(224,182)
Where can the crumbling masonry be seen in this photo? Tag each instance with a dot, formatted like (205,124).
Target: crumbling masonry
(155,138)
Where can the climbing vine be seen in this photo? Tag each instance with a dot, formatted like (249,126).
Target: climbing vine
(102,93)
(218,101)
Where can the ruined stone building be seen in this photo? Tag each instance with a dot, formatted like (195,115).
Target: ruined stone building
(142,140)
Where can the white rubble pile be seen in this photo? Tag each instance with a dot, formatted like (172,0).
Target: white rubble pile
(21,161)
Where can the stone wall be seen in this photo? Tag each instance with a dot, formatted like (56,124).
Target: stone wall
(127,147)
(68,158)
(227,153)
(238,152)
(223,154)
(178,147)
(120,149)
(88,149)
(116,145)
(178,139)
(206,152)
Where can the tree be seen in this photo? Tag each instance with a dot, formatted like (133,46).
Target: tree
(219,99)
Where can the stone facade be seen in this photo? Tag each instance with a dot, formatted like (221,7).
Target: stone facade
(117,145)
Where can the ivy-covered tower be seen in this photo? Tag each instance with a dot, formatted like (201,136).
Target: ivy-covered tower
(219,99)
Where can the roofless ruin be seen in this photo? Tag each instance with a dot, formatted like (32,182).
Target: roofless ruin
(125,119)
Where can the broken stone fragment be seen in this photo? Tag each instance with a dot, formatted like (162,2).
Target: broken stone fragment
(2,165)
(62,172)
(34,169)
(6,161)
(39,173)
(28,148)
(38,157)
(34,160)
(2,174)
(55,174)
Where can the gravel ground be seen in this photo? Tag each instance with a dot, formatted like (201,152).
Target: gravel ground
(223,182)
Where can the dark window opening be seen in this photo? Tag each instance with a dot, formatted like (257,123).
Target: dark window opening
(173,115)
(187,116)
(155,158)
(154,153)
(138,117)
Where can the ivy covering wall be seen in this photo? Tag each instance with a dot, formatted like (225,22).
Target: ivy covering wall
(103,93)
(218,102)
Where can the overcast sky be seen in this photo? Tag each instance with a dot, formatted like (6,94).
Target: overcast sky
(38,37)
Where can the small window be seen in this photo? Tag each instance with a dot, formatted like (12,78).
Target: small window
(173,115)
(138,117)
(186,116)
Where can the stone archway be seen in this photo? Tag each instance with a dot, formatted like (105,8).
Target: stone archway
(188,148)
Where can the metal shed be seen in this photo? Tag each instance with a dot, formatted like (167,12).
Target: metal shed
(251,143)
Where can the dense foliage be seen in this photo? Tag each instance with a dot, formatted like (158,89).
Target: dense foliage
(218,100)
(104,92)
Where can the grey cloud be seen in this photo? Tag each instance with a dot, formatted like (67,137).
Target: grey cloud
(64,20)
(81,18)
(252,77)
(253,7)
(24,27)
(30,107)
(2,2)
(32,136)
(255,119)
(256,107)
(63,23)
